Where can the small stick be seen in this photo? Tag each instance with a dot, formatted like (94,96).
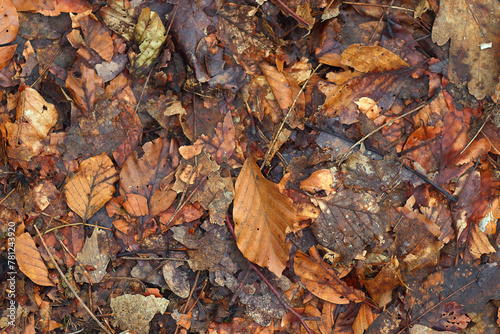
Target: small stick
(68,284)
(275,138)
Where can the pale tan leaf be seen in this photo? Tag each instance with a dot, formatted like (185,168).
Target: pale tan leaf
(262,217)
(34,119)
(116,16)
(9,24)
(134,312)
(92,187)
(30,262)
(322,281)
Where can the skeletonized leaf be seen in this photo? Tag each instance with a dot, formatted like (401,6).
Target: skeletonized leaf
(262,217)
(92,187)
(30,262)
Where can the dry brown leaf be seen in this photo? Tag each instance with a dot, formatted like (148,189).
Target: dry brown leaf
(34,119)
(6,54)
(30,262)
(9,25)
(474,30)
(136,205)
(322,281)
(364,319)
(262,217)
(380,288)
(84,86)
(52,8)
(479,243)
(97,37)
(371,59)
(92,187)
(134,312)
(152,174)
(319,180)
(285,89)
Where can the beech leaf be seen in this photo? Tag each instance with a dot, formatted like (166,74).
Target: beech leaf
(92,187)
(262,217)
(30,262)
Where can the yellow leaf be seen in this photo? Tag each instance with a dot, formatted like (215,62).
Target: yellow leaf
(262,217)
(150,34)
(92,187)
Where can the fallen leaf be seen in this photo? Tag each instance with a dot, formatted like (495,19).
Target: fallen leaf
(96,253)
(34,119)
(116,15)
(30,262)
(381,287)
(97,37)
(150,34)
(92,187)
(9,25)
(134,312)
(151,175)
(263,216)
(364,319)
(6,54)
(468,24)
(371,59)
(323,281)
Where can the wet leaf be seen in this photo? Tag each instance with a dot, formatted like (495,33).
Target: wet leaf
(263,216)
(92,187)
(475,42)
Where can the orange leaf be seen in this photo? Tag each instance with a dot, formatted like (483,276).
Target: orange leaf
(30,262)
(262,217)
(92,187)
(322,281)
(97,37)
(9,24)
(6,54)
(371,59)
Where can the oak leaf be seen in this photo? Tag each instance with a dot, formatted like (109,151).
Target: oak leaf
(473,28)
(92,187)
(262,217)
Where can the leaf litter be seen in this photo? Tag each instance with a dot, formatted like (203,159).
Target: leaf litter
(250,167)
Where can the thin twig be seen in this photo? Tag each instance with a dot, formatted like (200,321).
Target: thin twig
(269,284)
(68,284)
(480,129)
(188,298)
(275,137)
(292,13)
(359,142)
(377,5)
(437,304)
